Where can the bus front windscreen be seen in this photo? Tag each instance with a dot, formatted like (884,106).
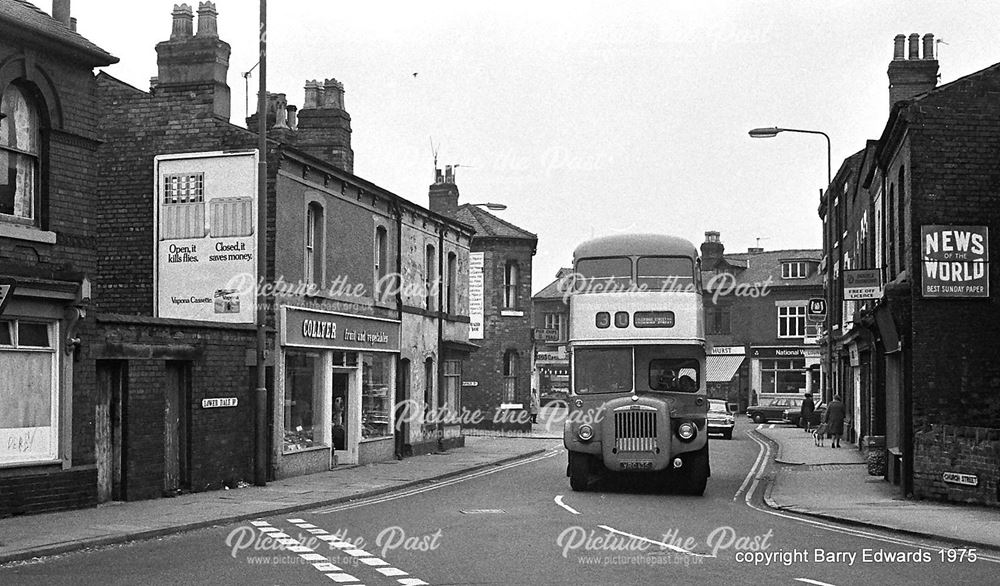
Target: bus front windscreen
(602,370)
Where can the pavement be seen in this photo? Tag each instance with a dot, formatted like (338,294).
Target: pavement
(821,482)
(834,484)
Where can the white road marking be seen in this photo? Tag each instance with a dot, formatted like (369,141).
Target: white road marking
(358,553)
(751,473)
(829,526)
(654,542)
(816,582)
(412,582)
(313,557)
(559,501)
(296,520)
(391,572)
(326,567)
(342,578)
(373,561)
(260,523)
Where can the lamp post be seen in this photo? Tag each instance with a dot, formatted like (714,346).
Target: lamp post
(260,394)
(771,132)
(490,205)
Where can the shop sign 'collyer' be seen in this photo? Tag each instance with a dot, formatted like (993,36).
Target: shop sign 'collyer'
(326,330)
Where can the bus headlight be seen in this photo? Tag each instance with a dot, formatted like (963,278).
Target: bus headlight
(686,431)
(585,432)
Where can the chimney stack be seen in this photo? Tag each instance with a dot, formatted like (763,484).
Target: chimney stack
(60,11)
(443,193)
(195,63)
(324,126)
(912,76)
(711,250)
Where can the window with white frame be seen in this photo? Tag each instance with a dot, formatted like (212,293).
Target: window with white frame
(452,285)
(314,245)
(794,269)
(556,321)
(452,384)
(29,395)
(381,260)
(20,149)
(792,320)
(510,283)
(430,276)
(510,376)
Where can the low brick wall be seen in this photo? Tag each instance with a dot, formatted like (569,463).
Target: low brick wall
(46,492)
(970,451)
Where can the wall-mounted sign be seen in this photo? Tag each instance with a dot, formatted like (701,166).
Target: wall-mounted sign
(477,297)
(816,309)
(653,319)
(964,479)
(470,383)
(727,350)
(862,284)
(780,352)
(546,335)
(955,261)
(204,216)
(7,286)
(219,402)
(325,329)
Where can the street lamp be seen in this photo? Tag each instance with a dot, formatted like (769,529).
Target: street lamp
(771,132)
(490,205)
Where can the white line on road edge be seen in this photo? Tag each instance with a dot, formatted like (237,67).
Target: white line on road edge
(829,526)
(654,542)
(816,582)
(753,469)
(418,490)
(560,502)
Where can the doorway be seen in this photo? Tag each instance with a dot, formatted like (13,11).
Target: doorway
(402,431)
(176,430)
(109,429)
(342,415)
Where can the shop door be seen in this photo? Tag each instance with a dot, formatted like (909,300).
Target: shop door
(345,448)
(109,429)
(176,452)
(402,431)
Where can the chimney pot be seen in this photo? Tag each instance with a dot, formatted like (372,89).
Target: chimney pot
(61,11)
(208,24)
(72,23)
(153,82)
(914,46)
(183,22)
(312,98)
(333,94)
(276,106)
(898,48)
(929,46)
(291,114)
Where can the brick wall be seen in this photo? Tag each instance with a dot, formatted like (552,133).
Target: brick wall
(501,333)
(954,179)
(49,491)
(964,450)
(221,439)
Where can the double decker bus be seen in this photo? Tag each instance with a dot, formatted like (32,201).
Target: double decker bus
(637,400)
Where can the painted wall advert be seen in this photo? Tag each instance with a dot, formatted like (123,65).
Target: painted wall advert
(205,217)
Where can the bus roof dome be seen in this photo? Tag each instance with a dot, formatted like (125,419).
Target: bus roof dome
(635,245)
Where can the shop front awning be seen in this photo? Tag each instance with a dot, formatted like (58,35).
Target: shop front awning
(721,369)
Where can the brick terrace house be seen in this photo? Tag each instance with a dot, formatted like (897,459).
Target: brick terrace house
(48,224)
(760,345)
(177,260)
(551,318)
(497,378)
(930,186)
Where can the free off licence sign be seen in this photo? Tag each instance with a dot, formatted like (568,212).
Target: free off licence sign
(862,284)
(955,261)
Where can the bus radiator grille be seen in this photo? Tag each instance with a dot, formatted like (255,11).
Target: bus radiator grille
(635,431)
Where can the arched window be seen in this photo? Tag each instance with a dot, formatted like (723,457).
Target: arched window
(314,248)
(510,283)
(510,368)
(20,157)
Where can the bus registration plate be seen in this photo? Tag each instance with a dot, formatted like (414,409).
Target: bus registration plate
(637,465)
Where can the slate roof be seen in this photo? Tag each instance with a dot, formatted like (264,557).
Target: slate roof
(552,291)
(489,226)
(768,264)
(32,21)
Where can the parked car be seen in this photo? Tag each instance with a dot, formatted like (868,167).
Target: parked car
(720,418)
(794,415)
(774,410)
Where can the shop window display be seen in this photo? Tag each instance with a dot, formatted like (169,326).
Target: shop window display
(376,396)
(301,405)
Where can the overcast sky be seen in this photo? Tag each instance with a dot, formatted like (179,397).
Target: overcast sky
(588,118)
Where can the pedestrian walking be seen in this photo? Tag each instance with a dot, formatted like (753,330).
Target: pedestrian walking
(535,405)
(835,414)
(808,408)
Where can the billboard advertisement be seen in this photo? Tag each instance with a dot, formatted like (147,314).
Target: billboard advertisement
(476,295)
(205,217)
(955,261)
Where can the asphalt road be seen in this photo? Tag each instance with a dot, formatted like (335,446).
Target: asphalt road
(521,524)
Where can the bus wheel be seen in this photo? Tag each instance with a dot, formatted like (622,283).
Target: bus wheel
(697,474)
(579,471)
